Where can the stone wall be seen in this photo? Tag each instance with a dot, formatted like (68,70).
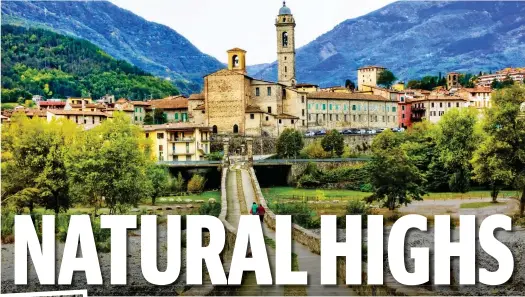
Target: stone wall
(313,242)
(358,143)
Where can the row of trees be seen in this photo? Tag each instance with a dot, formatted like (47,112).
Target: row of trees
(290,144)
(459,150)
(41,62)
(55,164)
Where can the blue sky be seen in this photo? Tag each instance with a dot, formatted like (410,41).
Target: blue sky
(215,26)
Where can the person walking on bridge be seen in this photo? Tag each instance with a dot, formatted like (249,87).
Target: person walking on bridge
(253,210)
(261,211)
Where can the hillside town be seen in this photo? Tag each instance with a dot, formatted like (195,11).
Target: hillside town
(233,103)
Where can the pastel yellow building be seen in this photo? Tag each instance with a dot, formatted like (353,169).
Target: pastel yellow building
(179,141)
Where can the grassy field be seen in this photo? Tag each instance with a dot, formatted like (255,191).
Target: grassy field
(173,199)
(479,204)
(294,193)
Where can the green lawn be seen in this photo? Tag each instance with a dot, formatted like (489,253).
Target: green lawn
(290,192)
(479,204)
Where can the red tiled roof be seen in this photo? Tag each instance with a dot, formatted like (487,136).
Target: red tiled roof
(174,102)
(52,103)
(286,116)
(253,109)
(196,96)
(140,103)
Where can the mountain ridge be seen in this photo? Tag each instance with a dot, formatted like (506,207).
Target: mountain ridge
(154,47)
(414,39)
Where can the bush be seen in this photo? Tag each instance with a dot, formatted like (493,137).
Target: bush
(314,151)
(196,184)
(177,184)
(8,224)
(301,214)
(355,207)
(348,177)
(210,209)
(215,156)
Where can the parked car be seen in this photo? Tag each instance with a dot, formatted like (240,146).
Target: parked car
(380,130)
(361,131)
(309,134)
(320,132)
(371,131)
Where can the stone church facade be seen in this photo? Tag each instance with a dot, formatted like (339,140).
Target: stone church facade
(233,102)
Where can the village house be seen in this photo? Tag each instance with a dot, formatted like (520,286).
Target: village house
(179,141)
(433,107)
(478,97)
(87,119)
(516,74)
(175,108)
(350,110)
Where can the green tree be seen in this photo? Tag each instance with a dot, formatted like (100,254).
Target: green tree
(289,143)
(386,78)
(394,177)
(159,181)
(457,139)
(505,125)
(33,163)
(489,169)
(148,119)
(108,164)
(196,184)
(349,85)
(159,117)
(177,184)
(333,143)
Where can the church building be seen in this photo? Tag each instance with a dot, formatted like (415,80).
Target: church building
(233,102)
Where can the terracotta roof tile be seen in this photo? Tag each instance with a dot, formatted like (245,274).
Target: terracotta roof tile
(196,96)
(286,116)
(253,109)
(77,112)
(173,102)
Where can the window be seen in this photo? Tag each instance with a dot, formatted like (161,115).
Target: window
(235,61)
(354,107)
(252,116)
(330,117)
(403,107)
(324,116)
(235,129)
(303,112)
(285,68)
(330,106)
(184,117)
(345,118)
(337,107)
(309,106)
(383,118)
(269,109)
(457,104)
(257,92)
(160,135)
(187,148)
(161,153)
(432,104)
(393,109)
(403,116)
(285,38)
(267,119)
(92,120)
(317,106)
(324,106)
(280,121)
(302,99)
(176,116)
(291,121)
(135,118)
(337,117)
(269,90)
(441,104)
(402,99)
(449,104)
(303,122)
(214,129)
(354,117)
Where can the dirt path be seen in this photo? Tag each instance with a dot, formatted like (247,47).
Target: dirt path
(308,261)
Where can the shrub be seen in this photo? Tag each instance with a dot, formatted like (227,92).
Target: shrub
(355,207)
(8,224)
(215,156)
(196,184)
(301,214)
(314,151)
(177,184)
(210,209)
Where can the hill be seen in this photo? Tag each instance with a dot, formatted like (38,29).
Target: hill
(41,62)
(155,48)
(416,38)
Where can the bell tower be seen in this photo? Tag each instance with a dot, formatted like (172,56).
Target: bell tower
(285,25)
(237,60)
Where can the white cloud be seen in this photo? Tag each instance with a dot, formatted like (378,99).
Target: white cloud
(215,26)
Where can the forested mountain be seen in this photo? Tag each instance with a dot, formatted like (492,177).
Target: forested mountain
(155,48)
(414,39)
(41,62)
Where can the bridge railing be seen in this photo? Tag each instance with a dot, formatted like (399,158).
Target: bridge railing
(291,161)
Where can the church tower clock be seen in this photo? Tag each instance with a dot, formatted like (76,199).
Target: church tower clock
(285,25)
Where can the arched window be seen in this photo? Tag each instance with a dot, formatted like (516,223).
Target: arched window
(214,129)
(285,69)
(235,61)
(285,39)
(235,129)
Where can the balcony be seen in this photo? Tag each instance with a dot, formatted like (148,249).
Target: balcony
(416,119)
(183,153)
(180,139)
(419,109)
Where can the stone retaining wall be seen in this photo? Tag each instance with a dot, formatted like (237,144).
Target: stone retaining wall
(313,242)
